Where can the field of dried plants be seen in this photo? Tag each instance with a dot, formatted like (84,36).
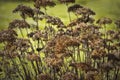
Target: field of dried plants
(44,46)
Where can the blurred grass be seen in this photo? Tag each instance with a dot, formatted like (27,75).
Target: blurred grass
(108,8)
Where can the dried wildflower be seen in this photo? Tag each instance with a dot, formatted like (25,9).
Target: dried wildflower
(43,76)
(96,43)
(44,3)
(84,11)
(116,36)
(65,50)
(50,46)
(104,21)
(90,75)
(69,76)
(54,62)
(96,56)
(22,44)
(114,56)
(75,32)
(83,66)
(112,47)
(85,20)
(72,23)
(18,24)
(73,42)
(55,21)
(12,54)
(59,55)
(73,8)
(61,43)
(36,35)
(24,10)
(8,35)
(67,1)
(111,33)
(107,66)
(117,22)
(33,57)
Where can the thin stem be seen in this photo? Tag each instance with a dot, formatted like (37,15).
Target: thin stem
(21,32)
(116,76)
(23,67)
(69,14)
(107,75)
(45,10)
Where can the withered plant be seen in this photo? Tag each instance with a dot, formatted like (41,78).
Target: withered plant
(83,49)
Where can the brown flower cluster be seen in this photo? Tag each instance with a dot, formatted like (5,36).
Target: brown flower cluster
(8,35)
(44,3)
(18,24)
(24,10)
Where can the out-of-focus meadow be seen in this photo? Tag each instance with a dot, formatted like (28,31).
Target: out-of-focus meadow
(107,8)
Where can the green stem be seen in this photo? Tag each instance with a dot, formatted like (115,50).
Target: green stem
(21,32)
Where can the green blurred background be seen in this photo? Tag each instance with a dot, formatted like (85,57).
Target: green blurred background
(108,8)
